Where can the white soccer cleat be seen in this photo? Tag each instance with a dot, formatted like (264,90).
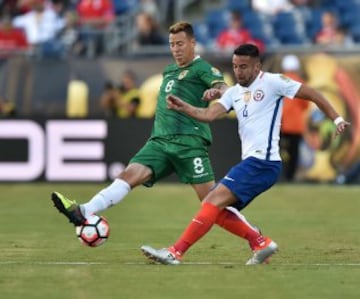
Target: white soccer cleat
(261,255)
(163,256)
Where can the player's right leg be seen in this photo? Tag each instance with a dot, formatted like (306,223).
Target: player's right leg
(262,252)
(136,173)
(132,176)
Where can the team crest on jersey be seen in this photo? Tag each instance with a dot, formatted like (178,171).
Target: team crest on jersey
(247,96)
(183,74)
(258,95)
(216,72)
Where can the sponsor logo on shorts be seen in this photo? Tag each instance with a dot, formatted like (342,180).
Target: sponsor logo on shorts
(229,178)
(196,176)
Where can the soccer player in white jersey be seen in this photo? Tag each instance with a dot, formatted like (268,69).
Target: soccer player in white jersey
(257,102)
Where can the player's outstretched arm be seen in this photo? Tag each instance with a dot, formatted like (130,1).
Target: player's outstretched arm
(215,92)
(202,114)
(307,93)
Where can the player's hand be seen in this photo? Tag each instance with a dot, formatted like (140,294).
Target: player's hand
(175,103)
(211,94)
(340,128)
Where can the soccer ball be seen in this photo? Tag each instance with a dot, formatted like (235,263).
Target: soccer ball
(94,232)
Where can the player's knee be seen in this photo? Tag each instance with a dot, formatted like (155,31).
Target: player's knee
(136,174)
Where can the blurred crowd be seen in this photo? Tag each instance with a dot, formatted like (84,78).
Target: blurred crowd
(59,28)
(274,23)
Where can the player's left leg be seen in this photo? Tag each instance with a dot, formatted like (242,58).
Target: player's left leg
(200,225)
(193,166)
(247,180)
(210,209)
(238,188)
(230,218)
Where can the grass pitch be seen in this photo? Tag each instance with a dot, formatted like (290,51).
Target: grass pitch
(316,226)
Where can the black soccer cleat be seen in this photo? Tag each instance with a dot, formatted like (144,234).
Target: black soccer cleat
(69,208)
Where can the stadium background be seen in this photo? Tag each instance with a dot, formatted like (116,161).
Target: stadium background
(39,88)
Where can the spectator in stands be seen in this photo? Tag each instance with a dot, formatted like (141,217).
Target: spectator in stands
(151,7)
(61,6)
(24,6)
(12,40)
(123,7)
(108,100)
(148,31)
(331,33)
(303,3)
(15,7)
(129,98)
(271,7)
(69,36)
(9,7)
(41,25)
(342,38)
(95,18)
(293,123)
(236,34)
(7,109)
(122,101)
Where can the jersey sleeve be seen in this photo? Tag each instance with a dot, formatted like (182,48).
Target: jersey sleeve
(227,99)
(287,87)
(211,75)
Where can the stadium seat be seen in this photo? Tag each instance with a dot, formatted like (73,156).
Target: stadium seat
(202,34)
(252,19)
(286,29)
(259,27)
(344,6)
(241,6)
(350,16)
(123,6)
(329,3)
(216,21)
(355,32)
(313,22)
(289,37)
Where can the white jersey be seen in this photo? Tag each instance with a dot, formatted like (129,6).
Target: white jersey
(258,109)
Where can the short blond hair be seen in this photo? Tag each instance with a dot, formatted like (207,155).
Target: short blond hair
(182,26)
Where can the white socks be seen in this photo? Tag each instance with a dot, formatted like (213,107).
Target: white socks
(106,198)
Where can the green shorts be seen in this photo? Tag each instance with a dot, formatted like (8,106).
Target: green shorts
(185,155)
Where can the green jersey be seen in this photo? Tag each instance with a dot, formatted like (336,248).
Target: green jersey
(188,83)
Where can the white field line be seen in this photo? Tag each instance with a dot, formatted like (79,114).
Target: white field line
(53,263)
(81,263)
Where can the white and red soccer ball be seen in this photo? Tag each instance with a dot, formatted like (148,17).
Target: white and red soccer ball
(94,232)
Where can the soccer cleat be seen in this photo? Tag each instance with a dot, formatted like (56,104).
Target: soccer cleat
(69,208)
(263,252)
(163,256)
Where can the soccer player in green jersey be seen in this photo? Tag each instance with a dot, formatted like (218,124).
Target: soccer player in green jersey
(178,143)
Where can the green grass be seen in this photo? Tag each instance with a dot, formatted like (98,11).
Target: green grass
(316,226)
